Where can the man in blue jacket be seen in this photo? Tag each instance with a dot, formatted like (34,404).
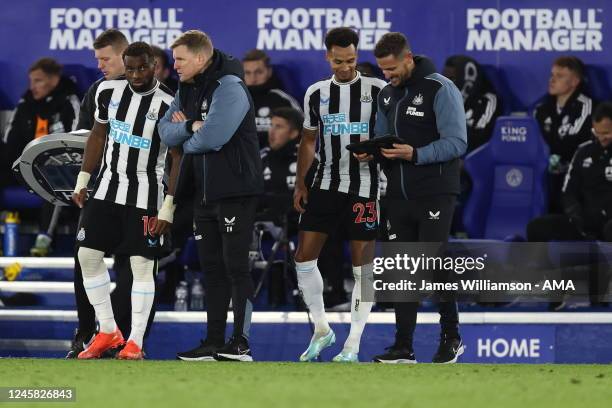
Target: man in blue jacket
(213,119)
(425,110)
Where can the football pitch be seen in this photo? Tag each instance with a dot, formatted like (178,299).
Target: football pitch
(115,384)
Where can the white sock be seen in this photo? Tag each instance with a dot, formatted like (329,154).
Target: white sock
(310,283)
(98,293)
(143,293)
(360,310)
(96,281)
(142,301)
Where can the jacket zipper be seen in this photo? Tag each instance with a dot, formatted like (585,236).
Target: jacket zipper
(397,134)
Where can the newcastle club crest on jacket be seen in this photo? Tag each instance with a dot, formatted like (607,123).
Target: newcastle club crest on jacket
(418,100)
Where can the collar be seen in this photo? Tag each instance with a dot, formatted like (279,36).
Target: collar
(149,92)
(352,81)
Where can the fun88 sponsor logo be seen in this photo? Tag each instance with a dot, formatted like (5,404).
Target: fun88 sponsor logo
(336,124)
(121,133)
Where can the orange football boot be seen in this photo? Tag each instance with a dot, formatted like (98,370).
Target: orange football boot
(131,351)
(101,343)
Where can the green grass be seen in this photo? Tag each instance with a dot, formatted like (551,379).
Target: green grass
(118,384)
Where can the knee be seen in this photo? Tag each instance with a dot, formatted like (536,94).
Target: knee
(305,266)
(143,269)
(304,256)
(237,268)
(92,261)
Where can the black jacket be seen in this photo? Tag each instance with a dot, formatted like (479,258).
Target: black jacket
(566,130)
(279,171)
(279,168)
(233,171)
(481,103)
(268,97)
(587,191)
(88,106)
(57,113)
(426,112)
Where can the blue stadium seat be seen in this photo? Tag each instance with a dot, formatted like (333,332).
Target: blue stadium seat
(14,198)
(497,78)
(82,76)
(509,180)
(287,74)
(597,83)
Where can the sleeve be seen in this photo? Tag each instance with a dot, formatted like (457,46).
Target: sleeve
(450,118)
(102,101)
(288,100)
(481,131)
(580,130)
(70,113)
(311,112)
(86,112)
(572,186)
(381,126)
(16,135)
(228,107)
(173,134)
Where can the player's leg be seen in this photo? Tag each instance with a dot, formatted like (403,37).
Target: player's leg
(361,221)
(309,277)
(142,299)
(86,314)
(142,248)
(321,217)
(98,234)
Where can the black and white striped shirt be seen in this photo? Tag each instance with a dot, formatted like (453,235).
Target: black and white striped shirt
(343,113)
(133,162)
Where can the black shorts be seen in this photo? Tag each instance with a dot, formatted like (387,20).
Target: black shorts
(119,229)
(327,211)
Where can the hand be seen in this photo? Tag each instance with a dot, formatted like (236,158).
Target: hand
(300,195)
(399,151)
(363,157)
(196,125)
(178,116)
(161,227)
(80,198)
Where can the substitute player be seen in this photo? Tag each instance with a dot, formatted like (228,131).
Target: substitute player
(126,214)
(338,111)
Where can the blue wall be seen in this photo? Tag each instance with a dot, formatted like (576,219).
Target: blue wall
(64,29)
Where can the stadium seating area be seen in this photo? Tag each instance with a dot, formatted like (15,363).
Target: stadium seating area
(509,189)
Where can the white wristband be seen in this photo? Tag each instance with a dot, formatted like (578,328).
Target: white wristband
(166,212)
(82,181)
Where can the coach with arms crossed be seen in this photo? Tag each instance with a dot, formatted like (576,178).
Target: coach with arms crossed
(425,110)
(213,119)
